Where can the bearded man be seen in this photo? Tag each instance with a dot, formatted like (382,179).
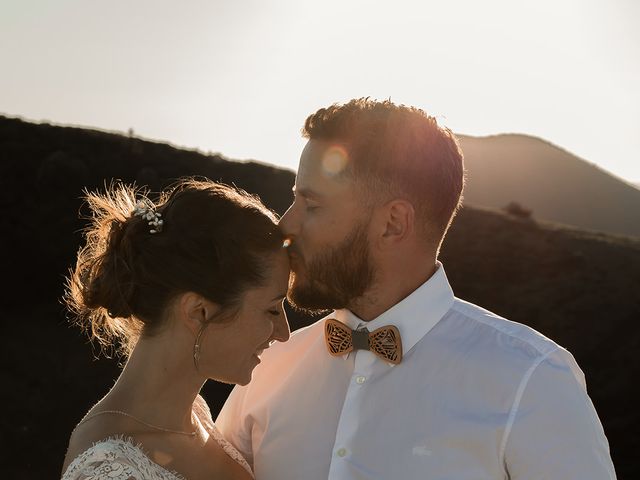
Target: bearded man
(402,380)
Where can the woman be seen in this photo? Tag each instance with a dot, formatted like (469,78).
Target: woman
(189,289)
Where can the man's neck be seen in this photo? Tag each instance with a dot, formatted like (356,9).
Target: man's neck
(388,291)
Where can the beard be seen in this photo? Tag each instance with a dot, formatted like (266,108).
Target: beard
(334,277)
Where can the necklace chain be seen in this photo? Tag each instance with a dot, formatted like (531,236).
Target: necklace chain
(119,412)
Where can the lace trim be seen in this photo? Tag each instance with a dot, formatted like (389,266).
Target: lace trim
(117,458)
(201,407)
(230,450)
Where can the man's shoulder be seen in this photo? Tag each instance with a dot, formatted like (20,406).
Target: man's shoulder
(308,333)
(499,347)
(507,334)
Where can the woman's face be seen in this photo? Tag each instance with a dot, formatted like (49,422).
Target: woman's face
(231,350)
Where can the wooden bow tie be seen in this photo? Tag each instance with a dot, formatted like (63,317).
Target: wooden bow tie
(384,342)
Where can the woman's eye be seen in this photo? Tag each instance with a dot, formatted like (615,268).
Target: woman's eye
(275,313)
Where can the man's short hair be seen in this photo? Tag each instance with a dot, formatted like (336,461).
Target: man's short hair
(397,151)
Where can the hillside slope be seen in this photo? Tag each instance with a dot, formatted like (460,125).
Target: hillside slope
(579,288)
(552,182)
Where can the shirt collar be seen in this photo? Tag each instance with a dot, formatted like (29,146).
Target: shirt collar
(415,315)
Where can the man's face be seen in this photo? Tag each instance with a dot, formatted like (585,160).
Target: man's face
(328,228)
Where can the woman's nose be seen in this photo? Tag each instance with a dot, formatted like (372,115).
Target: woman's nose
(281,330)
(288,221)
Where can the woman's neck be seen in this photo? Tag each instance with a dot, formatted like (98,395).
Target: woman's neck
(158,385)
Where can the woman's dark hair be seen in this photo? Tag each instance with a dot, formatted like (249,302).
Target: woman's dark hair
(215,240)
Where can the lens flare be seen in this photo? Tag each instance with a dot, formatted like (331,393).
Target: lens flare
(334,161)
(162,458)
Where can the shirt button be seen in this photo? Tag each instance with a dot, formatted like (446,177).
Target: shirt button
(360,379)
(342,452)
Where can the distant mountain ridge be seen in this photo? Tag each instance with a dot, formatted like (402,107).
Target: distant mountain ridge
(551,182)
(555,184)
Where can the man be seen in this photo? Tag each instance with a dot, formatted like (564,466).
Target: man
(435,387)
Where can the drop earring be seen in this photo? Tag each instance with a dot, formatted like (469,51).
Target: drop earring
(196,348)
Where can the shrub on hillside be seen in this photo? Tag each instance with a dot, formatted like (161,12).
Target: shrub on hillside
(517,210)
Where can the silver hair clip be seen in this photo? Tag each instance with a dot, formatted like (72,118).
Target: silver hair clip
(147,211)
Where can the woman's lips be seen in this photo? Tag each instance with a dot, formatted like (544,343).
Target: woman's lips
(261,350)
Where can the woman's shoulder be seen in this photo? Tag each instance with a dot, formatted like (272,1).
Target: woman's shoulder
(201,409)
(115,458)
(91,431)
(99,440)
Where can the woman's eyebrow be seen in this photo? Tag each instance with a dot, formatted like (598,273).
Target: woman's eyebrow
(306,192)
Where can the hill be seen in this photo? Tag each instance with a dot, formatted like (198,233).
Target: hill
(553,183)
(579,288)
(44,169)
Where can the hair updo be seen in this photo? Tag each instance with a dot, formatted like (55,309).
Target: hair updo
(215,241)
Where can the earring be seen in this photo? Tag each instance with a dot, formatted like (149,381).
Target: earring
(196,348)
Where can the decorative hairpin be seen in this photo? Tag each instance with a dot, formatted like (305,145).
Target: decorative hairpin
(147,211)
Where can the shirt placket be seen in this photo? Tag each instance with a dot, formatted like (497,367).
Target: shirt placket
(345,441)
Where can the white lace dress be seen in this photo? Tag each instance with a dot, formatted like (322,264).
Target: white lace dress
(120,458)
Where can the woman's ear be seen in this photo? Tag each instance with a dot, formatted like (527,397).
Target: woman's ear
(195,311)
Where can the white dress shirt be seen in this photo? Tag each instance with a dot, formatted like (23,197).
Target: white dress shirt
(475,397)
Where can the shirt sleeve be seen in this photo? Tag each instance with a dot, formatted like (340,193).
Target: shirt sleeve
(234,425)
(555,432)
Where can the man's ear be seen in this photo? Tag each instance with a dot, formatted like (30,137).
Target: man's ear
(398,222)
(195,311)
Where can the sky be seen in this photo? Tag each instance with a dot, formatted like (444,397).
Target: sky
(239,77)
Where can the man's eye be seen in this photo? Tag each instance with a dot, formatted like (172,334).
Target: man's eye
(275,313)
